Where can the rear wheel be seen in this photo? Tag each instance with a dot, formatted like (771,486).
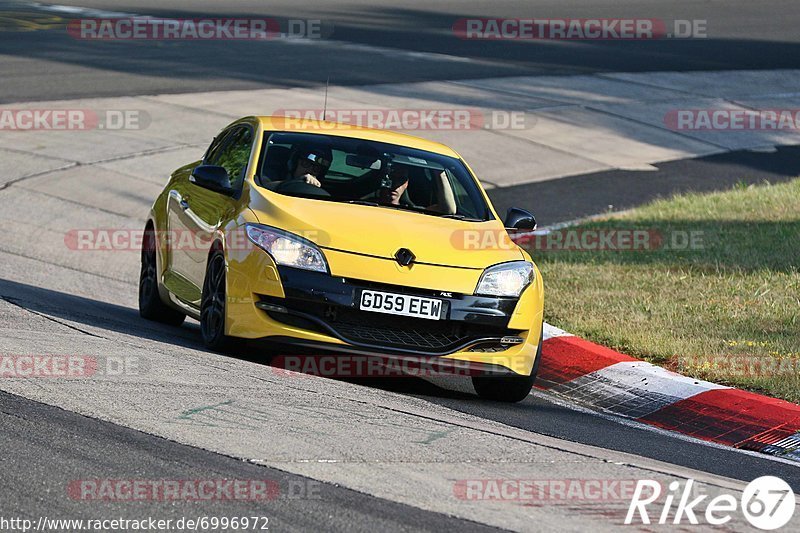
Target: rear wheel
(150,305)
(212,305)
(508,389)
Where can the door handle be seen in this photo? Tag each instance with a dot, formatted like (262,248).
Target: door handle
(184,204)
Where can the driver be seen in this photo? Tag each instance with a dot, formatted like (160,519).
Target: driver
(309,165)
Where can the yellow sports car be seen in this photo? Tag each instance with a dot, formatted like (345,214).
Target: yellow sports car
(349,239)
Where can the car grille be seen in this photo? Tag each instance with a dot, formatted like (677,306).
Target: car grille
(388,331)
(392,337)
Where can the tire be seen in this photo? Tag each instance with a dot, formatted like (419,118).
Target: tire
(509,389)
(150,305)
(212,306)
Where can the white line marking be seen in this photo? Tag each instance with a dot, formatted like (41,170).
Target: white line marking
(388,52)
(552,331)
(84,11)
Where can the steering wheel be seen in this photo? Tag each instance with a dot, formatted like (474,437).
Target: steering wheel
(301,188)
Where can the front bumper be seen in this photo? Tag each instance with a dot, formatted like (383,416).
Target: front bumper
(329,304)
(319,310)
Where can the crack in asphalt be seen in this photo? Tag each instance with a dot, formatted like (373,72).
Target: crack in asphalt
(17,302)
(75,202)
(13,301)
(67,267)
(196,109)
(141,153)
(9,183)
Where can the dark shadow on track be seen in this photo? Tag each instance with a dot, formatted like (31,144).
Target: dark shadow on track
(536,414)
(573,197)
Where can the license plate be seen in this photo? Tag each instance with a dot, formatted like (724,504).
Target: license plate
(401,304)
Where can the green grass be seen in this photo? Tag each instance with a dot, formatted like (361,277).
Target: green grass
(736,297)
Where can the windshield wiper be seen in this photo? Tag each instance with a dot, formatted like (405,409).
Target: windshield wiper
(414,208)
(426,211)
(462,217)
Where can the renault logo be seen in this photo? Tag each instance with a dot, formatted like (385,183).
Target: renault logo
(404,257)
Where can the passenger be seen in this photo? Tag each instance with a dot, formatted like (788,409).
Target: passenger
(394,193)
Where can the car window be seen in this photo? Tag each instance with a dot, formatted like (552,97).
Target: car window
(233,154)
(365,171)
(214,147)
(341,170)
(462,196)
(274,160)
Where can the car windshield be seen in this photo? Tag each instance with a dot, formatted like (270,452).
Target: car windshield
(344,169)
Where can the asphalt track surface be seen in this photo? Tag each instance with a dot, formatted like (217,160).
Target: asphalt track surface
(45,447)
(77,447)
(405,41)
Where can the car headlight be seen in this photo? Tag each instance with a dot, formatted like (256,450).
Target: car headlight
(505,279)
(286,248)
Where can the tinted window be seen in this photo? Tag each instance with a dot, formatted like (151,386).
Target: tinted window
(214,147)
(364,171)
(233,154)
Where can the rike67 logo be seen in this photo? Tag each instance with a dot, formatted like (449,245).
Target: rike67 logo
(767,503)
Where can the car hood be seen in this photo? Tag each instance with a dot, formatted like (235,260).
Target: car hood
(381,232)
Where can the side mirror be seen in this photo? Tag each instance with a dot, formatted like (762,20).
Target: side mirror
(213,178)
(519,219)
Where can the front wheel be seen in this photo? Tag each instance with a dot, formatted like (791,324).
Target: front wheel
(212,305)
(509,389)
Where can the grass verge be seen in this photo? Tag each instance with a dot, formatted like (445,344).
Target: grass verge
(712,290)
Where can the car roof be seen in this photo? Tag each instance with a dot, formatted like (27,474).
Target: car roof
(302,125)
